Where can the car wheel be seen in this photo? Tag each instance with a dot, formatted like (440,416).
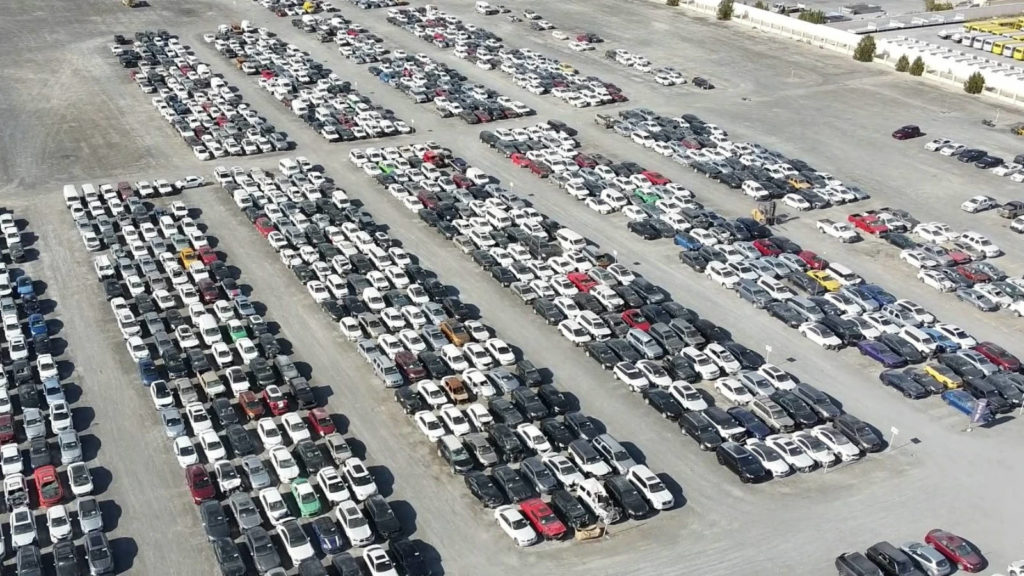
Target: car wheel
(721,461)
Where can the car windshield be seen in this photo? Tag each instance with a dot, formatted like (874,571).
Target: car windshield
(50,489)
(962,549)
(519,524)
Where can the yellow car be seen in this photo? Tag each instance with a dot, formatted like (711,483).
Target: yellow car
(567,69)
(799,183)
(187,257)
(943,375)
(825,280)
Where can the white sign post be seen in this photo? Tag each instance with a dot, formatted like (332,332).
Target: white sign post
(895,431)
(767,350)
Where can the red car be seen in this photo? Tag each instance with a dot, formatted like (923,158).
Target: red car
(655,178)
(199,483)
(907,132)
(766,248)
(635,319)
(461,181)
(868,223)
(998,356)
(584,161)
(264,226)
(207,255)
(541,170)
(276,399)
(520,160)
(957,550)
(542,518)
(581,281)
(972,274)
(48,486)
(320,421)
(813,261)
(6,428)
(251,405)
(208,291)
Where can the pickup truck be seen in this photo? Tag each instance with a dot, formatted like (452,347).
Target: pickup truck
(838,230)
(868,223)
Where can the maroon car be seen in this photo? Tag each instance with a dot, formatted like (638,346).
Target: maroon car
(208,291)
(6,428)
(907,132)
(998,356)
(199,483)
(973,275)
(957,550)
(410,366)
(813,261)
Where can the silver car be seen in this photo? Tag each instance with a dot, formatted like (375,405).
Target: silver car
(928,558)
(89,516)
(256,473)
(174,426)
(244,510)
(70,447)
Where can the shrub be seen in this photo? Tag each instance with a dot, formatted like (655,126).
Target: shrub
(865,51)
(975,83)
(903,64)
(917,67)
(812,16)
(672,2)
(725,10)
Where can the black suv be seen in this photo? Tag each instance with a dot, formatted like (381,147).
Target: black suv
(741,461)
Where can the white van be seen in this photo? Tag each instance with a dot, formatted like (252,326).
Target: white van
(373,300)
(594,496)
(288,167)
(71,196)
(209,330)
(89,193)
(844,275)
(483,7)
(242,199)
(340,199)
(498,218)
(569,240)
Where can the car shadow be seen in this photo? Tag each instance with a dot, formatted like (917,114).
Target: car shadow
(357,446)
(573,401)
(54,326)
(406,515)
(47,306)
(72,393)
(65,368)
(28,238)
(111,512)
(212,240)
(40,287)
(997,421)
(58,346)
(431,557)
(83,416)
(234,271)
(245,289)
(124,550)
(638,455)
(101,479)
(675,489)
(341,422)
(384,478)
(304,369)
(31,254)
(91,445)
(259,307)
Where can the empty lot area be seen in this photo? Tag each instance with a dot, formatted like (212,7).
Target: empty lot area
(71,115)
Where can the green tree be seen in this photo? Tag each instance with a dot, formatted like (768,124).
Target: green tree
(672,2)
(917,67)
(812,16)
(937,6)
(865,51)
(760,5)
(725,10)
(903,64)
(975,83)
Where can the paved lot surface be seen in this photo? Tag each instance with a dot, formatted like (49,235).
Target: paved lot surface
(70,115)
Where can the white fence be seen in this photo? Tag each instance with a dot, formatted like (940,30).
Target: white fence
(814,34)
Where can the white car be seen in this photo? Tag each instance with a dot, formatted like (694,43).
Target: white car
(222,355)
(937,232)
(793,454)
(652,488)
(956,334)
(796,201)
(515,525)
(137,349)
(274,506)
(1007,169)
(777,377)
(721,274)
(228,479)
(573,332)
(654,373)
(186,337)
(951,149)
(212,445)
(820,335)
(359,479)
(564,470)
(769,457)
(353,523)
(23,527)
(378,563)
(880,322)
(935,279)
(429,425)
(295,541)
(284,465)
(978,203)
(1001,298)
(184,451)
(247,350)
(814,447)
(198,418)
(350,328)
(733,391)
(723,358)
(269,433)
(431,393)
(295,427)
(46,367)
(500,351)
(630,375)
(981,243)
(332,485)
(918,259)
(937,143)
(479,416)
(60,416)
(58,523)
(687,396)
(534,438)
(837,442)
(477,356)
(701,362)
(455,420)
(10,459)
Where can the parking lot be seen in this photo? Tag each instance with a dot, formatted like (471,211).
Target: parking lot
(842,125)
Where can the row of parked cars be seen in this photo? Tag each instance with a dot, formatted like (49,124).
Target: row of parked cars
(35,413)
(1012,210)
(666,75)
(200,106)
(229,400)
(748,167)
(419,76)
(516,439)
(941,553)
(535,72)
(980,158)
(625,323)
(331,106)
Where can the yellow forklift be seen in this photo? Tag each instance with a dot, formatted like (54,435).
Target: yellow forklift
(764,213)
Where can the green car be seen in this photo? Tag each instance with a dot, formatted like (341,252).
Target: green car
(385,167)
(647,197)
(305,496)
(236,331)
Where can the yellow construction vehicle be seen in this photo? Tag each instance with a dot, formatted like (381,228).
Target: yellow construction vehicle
(764,213)
(128,3)
(309,7)
(1018,129)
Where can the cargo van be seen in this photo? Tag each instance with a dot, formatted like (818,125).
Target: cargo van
(570,240)
(288,166)
(498,218)
(209,330)
(89,193)
(71,196)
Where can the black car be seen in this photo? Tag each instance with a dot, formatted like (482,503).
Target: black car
(902,347)
(741,461)
(345,565)
(546,309)
(555,400)
(797,409)
(571,511)
(663,402)
(308,454)
(484,259)
(650,293)
(601,353)
(556,432)
(333,309)
(630,296)
(702,83)
(409,399)
(627,497)
(215,521)
(748,359)
(303,393)
(697,426)
(383,517)
(262,372)
(987,161)
(711,331)
(65,558)
(924,380)
(483,489)
(516,488)
(644,229)
(694,260)
(39,453)
(961,366)
(528,403)
(503,275)
(239,440)
(623,350)
(225,412)
(785,313)
(845,329)
(581,425)
(506,443)
(528,373)
(681,369)
(505,412)
(904,384)
(971,155)
(755,427)
(408,558)
(655,314)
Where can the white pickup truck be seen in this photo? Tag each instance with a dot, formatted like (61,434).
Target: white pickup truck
(838,230)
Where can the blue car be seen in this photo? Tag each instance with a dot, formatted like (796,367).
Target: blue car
(881,353)
(25,288)
(943,343)
(37,325)
(878,294)
(962,401)
(148,372)
(327,534)
(754,426)
(687,242)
